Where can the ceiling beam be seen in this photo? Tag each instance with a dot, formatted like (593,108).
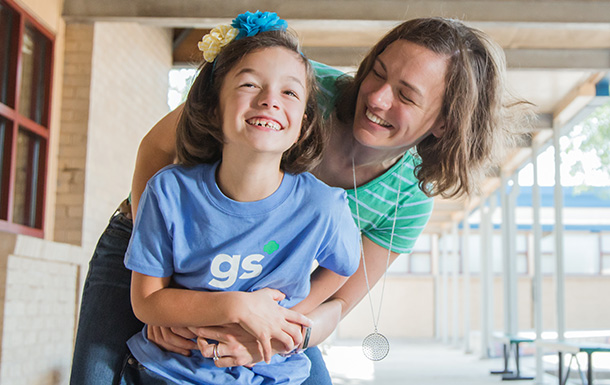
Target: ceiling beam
(545,11)
(520,59)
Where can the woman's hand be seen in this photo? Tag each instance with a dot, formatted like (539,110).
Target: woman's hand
(176,340)
(236,347)
(262,317)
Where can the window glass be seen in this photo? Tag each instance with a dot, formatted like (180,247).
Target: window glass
(27,179)
(7,20)
(4,163)
(33,88)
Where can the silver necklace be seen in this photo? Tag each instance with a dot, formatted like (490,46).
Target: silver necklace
(375,346)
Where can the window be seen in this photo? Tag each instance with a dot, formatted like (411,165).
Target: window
(26,58)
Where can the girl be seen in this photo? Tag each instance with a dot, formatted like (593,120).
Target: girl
(237,216)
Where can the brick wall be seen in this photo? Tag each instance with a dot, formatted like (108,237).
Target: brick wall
(129,86)
(41,280)
(71,158)
(115,89)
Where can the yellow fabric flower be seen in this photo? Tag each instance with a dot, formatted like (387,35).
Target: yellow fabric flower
(212,43)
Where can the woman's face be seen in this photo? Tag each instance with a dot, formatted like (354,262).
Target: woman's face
(399,101)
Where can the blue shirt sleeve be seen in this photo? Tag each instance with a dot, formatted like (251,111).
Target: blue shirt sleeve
(150,247)
(341,252)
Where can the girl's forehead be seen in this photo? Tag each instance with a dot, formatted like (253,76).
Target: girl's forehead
(277,61)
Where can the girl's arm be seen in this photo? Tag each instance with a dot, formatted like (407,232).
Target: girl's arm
(258,313)
(157,150)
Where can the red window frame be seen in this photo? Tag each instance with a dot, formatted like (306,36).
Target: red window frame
(16,121)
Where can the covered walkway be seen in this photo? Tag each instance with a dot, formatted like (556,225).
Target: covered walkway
(432,363)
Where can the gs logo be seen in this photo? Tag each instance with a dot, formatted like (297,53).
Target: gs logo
(226,276)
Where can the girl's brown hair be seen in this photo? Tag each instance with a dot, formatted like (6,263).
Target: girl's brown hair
(199,137)
(480,123)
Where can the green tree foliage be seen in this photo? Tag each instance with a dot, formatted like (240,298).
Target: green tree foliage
(593,136)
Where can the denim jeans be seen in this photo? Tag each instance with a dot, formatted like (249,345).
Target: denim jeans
(106,318)
(134,373)
(107,321)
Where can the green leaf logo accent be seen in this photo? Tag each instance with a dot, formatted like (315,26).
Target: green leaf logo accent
(271,247)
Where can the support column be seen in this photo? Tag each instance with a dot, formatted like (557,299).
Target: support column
(559,263)
(487,287)
(445,289)
(434,251)
(466,275)
(455,267)
(537,284)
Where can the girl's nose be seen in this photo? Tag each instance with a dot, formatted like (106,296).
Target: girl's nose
(269,99)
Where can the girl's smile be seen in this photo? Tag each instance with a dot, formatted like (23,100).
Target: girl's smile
(262,102)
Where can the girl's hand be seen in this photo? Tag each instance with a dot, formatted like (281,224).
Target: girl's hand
(266,320)
(177,340)
(236,347)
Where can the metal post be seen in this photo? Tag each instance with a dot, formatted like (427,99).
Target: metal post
(445,292)
(466,275)
(512,257)
(455,284)
(506,277)
(559,263)
(434,246)
(537,284)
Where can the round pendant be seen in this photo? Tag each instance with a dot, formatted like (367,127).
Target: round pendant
(375,347)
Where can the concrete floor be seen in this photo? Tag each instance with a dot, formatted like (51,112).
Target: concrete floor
(426,362)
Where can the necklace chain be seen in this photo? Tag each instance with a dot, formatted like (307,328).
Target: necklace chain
(366,278)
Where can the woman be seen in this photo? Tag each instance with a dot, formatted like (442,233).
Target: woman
(432,83)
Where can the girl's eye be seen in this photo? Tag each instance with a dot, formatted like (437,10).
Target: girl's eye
(291,93)
(248,85)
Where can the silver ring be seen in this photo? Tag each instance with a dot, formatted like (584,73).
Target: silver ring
(215,352)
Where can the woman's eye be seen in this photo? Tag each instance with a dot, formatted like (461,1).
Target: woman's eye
(248,85)
(406,99)
(376,73)
(291,93)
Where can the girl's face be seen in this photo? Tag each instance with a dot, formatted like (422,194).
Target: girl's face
(262,102)
(399,101)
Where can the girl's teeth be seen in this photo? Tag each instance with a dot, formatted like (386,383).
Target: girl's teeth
(375,119)
(265,123)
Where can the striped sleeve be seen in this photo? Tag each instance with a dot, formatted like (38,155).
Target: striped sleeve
(377,207)
(327,82)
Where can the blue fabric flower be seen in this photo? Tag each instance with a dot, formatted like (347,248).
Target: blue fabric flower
(249,24)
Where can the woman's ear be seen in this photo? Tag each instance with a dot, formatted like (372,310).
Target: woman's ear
(438,130)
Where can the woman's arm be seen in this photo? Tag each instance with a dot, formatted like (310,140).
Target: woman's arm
(324,283)
(258,313)
(237,348)
(327,316)
(157,150)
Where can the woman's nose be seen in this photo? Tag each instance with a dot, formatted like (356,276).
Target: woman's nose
(381,97)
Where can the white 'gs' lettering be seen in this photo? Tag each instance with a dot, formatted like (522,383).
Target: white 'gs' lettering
(226,278)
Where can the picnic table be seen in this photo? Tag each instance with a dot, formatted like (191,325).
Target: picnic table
(573,348)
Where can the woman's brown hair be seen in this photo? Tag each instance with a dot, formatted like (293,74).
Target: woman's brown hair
(480,123)
(199,137)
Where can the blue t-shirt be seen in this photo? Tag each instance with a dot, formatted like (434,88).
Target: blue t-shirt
(188,229)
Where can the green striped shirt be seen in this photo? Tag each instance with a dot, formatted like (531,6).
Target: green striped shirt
(377,199)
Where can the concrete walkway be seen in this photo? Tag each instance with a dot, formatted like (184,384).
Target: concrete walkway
(418,362)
